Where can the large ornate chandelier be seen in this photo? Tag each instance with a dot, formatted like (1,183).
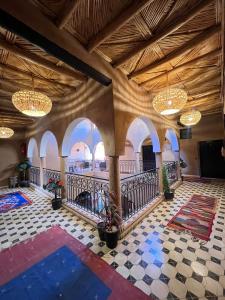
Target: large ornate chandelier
(190,118)
(6,132)
(169,101)
(32,103)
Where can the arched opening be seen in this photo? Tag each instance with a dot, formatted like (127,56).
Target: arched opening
(50,152)
(144,137)
(33,155)
(170,153)
(83,159)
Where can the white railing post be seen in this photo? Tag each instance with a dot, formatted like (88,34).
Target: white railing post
(138,165)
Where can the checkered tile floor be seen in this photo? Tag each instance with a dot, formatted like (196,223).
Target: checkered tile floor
(161,263)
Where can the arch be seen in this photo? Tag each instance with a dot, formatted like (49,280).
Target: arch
(80,151)
(80,130)
(32,146)
(139,130)
(101,154)
(129,153)
(48,136)
(172,138)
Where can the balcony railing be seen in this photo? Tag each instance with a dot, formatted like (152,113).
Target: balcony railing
(87,192)
(128,166)
(172,169)
(34,173)
(137,191)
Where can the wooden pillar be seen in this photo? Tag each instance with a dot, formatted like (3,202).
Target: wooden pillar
(159,165)
(138,165)
(114,179)
(42,166)
(63,166)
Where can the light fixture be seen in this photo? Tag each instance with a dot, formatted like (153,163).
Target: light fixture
(32,103)
(169,101)
(190,118)
(6,132)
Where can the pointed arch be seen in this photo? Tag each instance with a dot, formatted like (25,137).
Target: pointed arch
(172,138)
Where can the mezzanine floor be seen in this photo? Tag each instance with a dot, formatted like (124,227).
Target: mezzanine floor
(160,262)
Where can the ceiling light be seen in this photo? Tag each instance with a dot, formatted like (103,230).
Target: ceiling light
(190,118)
(6,132)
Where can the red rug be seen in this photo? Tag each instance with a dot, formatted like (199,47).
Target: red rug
(24,256)
(196,217)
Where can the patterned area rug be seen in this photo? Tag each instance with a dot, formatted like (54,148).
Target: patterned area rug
(13,200)
(196,217)
(54,265)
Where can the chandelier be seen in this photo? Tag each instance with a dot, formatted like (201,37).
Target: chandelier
(6,132)
(32,103)
(190,118)
(169,101)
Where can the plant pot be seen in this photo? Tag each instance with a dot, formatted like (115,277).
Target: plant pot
(112,238)
(101,231)
(56,203)
(169,195)
(24,183)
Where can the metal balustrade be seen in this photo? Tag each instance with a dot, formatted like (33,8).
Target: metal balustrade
(137,191)
(128,166)
(172,171)
(34,175)
(147,165)
(87,192)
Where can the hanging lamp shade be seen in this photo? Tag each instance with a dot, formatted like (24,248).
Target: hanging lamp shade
(6,132)
(169,101)
(32,103)
(190,118)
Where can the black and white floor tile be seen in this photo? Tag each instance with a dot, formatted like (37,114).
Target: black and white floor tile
(162,263)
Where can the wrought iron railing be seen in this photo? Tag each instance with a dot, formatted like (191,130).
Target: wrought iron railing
(81,166)
(87,192)
(53,174)
(172,171)
(128,166)
(34,173)
(137,191)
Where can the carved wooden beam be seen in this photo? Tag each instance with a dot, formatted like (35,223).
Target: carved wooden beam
(200,38)
(126,15)
(38,60)
(66,13)
(172,27)
(186,65)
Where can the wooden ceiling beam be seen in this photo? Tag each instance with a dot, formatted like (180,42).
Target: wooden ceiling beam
(24,19)
(200,38)
(186,65)
(13,87)
(66,13)
(38,60)
(126,15)
(18,71)
(172,27)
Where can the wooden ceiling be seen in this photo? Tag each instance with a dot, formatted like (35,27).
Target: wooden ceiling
(149,40)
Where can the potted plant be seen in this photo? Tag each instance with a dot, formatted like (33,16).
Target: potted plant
(55,186)
(23,168)
(109,229)
(168,193)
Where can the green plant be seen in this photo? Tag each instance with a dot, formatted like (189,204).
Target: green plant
(182,163)
(110,213)
(53,186)
(23,167)
(166,186)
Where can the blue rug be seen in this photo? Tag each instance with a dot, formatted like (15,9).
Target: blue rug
(61,275)
(13,200)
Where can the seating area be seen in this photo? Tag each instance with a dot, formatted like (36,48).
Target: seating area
(112,149)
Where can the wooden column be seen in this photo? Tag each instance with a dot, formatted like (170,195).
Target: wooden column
(159,165)
(42,166)
(63,166)
(114,179)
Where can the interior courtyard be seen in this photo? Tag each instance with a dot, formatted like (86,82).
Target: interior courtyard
(112,149)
